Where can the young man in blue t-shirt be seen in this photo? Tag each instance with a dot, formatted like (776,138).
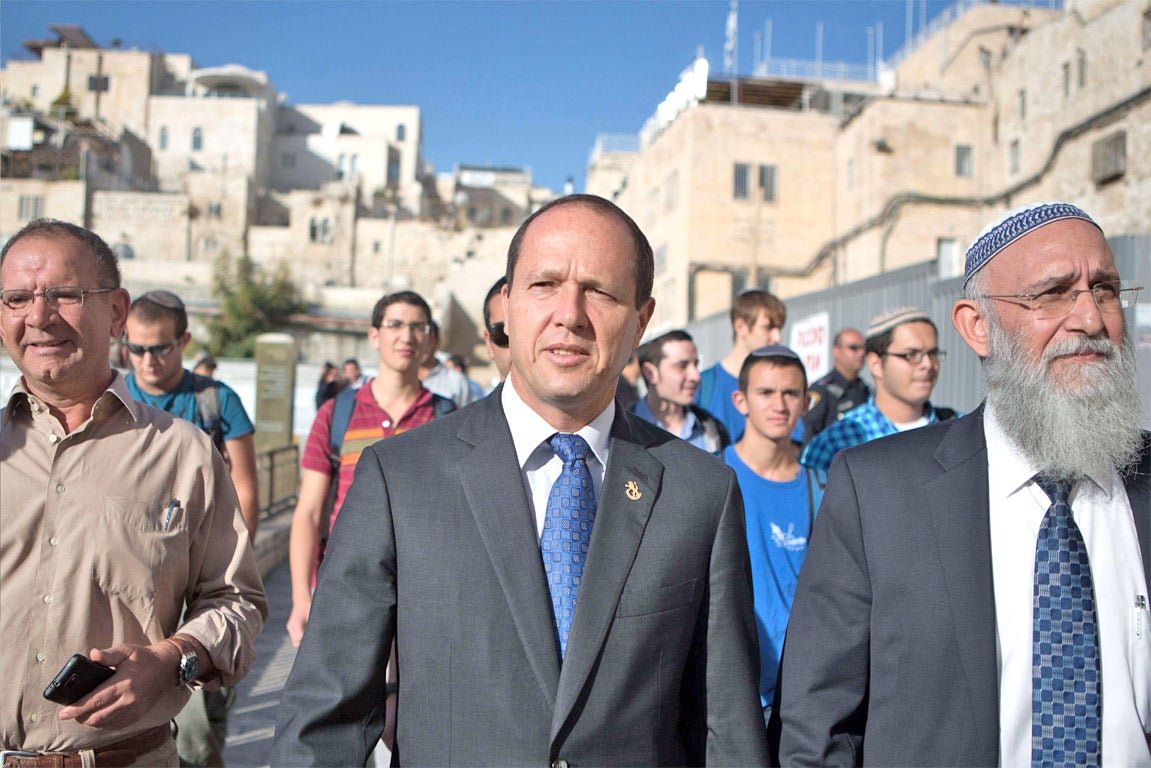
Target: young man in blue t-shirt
(779,500)
(156,333)
(757,319)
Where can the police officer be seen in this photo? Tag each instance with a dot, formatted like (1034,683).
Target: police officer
(839,391)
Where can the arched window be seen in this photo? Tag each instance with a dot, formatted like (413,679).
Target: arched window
(197,139)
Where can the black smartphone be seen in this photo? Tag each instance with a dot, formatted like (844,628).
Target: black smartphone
(77,678)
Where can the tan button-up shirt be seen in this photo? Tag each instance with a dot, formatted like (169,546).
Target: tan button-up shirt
(105,534)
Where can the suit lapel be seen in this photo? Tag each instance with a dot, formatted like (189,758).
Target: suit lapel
(1138,484)
(630,487)
(958,501)
(506,525)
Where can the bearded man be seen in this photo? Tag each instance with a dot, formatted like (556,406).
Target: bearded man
(976,592)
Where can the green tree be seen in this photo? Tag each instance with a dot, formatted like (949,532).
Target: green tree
(251,303)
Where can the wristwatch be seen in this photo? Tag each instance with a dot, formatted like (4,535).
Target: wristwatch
(189,663)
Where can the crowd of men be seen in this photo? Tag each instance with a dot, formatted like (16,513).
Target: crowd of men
(614,557)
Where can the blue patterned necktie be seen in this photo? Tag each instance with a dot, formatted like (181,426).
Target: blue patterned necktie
(567,530)
(1066,688)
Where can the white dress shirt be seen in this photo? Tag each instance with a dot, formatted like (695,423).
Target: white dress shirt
(540,467)
(1103,513)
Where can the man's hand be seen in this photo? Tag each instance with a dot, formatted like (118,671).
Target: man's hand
(297,622)
(144,673)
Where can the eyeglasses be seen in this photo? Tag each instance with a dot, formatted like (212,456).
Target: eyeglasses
(497,332)
(158,351)
(19,301)
(915,356)
(419,329)
(1057,303)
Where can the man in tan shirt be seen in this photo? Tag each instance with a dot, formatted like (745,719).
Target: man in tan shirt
(114,518)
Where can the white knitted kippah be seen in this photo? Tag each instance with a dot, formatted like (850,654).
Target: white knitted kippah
(1013,225)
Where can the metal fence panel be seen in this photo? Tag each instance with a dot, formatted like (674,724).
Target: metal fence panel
(960,383)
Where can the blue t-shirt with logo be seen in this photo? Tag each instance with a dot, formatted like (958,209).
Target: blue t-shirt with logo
(778,517)
(181,401)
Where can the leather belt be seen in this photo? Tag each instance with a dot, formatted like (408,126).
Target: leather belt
(118,755)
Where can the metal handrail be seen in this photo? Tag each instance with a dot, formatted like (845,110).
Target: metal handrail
(278,475)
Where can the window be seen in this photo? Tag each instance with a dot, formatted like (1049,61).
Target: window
(740,190)
(35,90)
(1066,79)
(98,83)
(401,132)
(1082,61)
(660,257)
(947,257)
(31,207)
(767,182)
(964,161)
(353,165)
(1147,30)
(1014,158)
(849,173)
(213,210)
(1109,158)
(670,188)
(163,137)
(394,171)
(341,166)
(375,246)
(288,160)
(197,139)
(319,230)
(1022,104)
(505,216)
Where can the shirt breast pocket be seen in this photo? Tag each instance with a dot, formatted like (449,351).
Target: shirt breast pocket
(144,543)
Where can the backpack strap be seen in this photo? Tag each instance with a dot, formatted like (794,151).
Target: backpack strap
(345,403)
(442,406)
(207,395)
(945,414)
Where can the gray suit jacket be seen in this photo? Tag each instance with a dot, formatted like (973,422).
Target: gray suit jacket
(890,656)
(436,544)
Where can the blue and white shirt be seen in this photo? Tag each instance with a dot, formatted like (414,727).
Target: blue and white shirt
(859,425)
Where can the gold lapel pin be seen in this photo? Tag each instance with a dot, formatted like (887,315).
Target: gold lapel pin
(632,490)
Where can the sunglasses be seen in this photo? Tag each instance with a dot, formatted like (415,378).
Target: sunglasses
(157,351)
(498,335)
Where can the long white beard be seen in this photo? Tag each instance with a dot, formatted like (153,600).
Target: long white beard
(1090,427)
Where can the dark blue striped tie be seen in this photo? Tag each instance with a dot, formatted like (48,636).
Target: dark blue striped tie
(567,530)
(1066,689)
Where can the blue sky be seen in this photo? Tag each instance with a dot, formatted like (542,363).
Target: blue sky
(528,83)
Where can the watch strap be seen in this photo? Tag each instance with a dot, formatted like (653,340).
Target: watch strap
(186,650)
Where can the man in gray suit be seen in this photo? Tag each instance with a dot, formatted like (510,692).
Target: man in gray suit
(439,545)
(927,619)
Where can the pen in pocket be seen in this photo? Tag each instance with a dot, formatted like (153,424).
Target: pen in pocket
(168,515)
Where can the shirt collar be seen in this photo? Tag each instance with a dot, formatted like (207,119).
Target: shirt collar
(117,390)
(529,429)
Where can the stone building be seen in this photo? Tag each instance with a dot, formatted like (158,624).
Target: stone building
(176,165)
(829,176)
